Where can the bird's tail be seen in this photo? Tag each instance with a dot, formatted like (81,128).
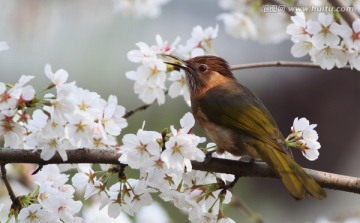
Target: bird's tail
(295,179)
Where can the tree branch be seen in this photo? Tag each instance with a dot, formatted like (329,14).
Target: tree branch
(238,168)
(282,64)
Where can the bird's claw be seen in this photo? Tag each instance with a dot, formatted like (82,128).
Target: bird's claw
(208,156)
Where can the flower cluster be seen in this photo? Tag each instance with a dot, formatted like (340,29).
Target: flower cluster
(52,201)
(164,161)
(71,118)
(127,195)
(328,43)
(247,21)
(304,137)
(140,8)
(151,75)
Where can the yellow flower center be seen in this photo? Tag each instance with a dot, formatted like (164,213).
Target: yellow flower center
(80,127)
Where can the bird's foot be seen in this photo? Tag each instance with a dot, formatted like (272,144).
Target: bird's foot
(208,156)
(209,153)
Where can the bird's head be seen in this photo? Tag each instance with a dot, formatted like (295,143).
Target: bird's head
(204,72)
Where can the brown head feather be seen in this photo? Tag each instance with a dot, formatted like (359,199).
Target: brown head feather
(215,63)
(205,72)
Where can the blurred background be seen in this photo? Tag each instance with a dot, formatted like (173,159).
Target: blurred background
(90,40)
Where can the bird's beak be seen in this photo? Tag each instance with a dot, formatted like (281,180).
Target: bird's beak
(181,65)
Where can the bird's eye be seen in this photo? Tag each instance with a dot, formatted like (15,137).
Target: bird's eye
(203,68)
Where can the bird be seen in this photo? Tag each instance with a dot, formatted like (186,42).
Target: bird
(238,122)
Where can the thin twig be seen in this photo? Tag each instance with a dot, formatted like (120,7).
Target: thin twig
(6,182)
(282,64)
(16,205)
(257,169)
(140,108)
(232,184)
(349,16)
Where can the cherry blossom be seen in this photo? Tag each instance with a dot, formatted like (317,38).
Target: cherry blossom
(21,92)
(354,60)
(55,196)
(139,197)
(67,210)
(89,103)
(34,214)
(62,104)
(13,132)
(51,174)
(178,87)
(298,29)
(160,177)
(140,150)
(85,178)
(48,197)
(199,43)
(305,138)
(324,31)
(133,200)
(182,147)
(48,145)
(163,47)
(354,40)
(142,55)
(38,121)
(80,130)
(329,43)
(150,75)
(150,81)
(58,78)
(6,100)
(303,46)
(112,117)
(179,151)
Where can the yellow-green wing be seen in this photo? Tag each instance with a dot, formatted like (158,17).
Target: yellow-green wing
(256,123)
(237,108)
